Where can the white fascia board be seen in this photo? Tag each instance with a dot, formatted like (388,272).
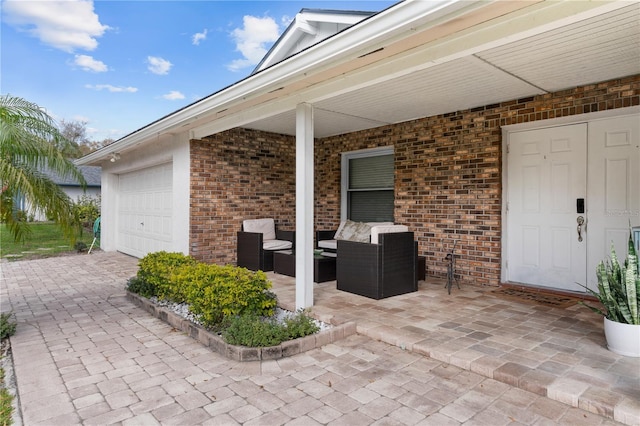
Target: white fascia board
(380,29)
(289,39)
(303,22)
(304,26)
(337,18)
(520,24)
(323,54)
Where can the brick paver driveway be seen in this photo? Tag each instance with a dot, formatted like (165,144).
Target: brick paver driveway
(83,354)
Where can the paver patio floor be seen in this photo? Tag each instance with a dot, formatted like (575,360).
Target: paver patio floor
(83,354)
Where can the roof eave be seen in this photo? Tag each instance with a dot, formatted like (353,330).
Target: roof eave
(352,43)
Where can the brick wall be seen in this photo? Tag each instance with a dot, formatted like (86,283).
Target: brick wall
(448,177)
(236,175)
(448,172)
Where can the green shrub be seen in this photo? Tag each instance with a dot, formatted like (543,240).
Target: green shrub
(220,297)
(300,325)
(21,215)
(6,408)
(214,292)
(87,210)
(141,287)
(7,327)
(156,271)
(6,401)
(252,330)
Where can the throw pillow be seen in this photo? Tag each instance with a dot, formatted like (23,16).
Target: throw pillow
(354,231)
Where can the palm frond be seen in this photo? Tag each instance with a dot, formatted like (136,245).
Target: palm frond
(29,145)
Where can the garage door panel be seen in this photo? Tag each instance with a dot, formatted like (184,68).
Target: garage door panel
(145,211)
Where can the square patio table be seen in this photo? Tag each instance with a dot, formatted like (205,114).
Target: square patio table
(324,267)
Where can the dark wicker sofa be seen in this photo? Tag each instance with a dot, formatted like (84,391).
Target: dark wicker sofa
(378,270)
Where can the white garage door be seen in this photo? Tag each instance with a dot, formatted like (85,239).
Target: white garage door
(144,211)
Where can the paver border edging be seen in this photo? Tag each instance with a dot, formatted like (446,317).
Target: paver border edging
(243,353)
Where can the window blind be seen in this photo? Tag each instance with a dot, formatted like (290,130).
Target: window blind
(371,189)
(371,172)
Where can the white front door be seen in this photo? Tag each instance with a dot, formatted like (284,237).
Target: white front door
(548,170)
(613,188)
(546,177)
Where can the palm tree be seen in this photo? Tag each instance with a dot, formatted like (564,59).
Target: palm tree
(30,142)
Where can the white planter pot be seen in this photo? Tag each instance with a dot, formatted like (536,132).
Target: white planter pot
(623,339)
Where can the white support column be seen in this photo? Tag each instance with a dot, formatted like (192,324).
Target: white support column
(109,211)
(304,206)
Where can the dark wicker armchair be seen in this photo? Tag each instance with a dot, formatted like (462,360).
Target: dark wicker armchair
(378,270)
(258,240)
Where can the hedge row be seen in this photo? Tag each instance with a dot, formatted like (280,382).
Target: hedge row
(213,292)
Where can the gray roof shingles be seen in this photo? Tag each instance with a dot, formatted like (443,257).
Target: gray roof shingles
(92,174)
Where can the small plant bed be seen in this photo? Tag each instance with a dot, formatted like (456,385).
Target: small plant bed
(227,308)
(7,384)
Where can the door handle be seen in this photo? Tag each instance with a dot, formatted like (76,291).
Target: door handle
(580,221)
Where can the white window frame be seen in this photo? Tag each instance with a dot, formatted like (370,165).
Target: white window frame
(344,180)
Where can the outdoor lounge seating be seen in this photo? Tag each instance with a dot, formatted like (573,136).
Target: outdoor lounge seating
(327,240)
(383,268)
(376,261)
(258,240)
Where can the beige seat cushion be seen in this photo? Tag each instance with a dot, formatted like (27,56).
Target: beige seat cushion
(328,244)
(276,245)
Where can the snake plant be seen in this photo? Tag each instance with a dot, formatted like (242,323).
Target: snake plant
(619,287)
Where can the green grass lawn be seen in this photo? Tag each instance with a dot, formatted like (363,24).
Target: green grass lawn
(46,239)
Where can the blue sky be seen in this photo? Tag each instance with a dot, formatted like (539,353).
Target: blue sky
(119,65)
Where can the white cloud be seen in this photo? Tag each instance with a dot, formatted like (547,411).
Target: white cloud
(92,130)
(286,20)
(87,63)
(252,40)
(198,37)
(173,95)
(113,89)
(66,25)
(158,65)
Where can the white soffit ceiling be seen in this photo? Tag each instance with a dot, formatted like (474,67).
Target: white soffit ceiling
(456,85)
(589,51)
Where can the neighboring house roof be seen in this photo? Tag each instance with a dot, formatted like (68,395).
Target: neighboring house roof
(92,175)
(417,59)
(309,27)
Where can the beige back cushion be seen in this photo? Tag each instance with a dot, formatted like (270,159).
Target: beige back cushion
(267,227)
(385,229)
(372,224)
